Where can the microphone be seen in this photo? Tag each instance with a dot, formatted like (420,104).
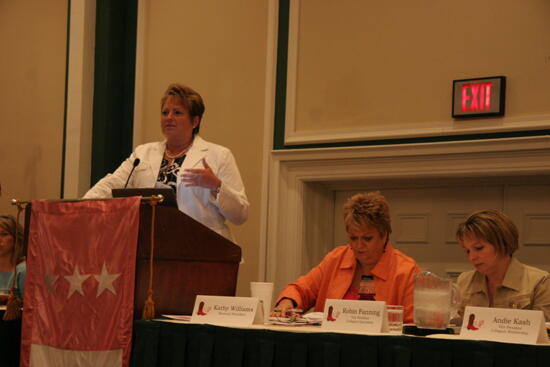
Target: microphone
(136,163)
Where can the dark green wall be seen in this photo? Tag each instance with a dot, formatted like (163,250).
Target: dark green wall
(114,78)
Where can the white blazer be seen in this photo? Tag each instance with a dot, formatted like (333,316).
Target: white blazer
(197,202)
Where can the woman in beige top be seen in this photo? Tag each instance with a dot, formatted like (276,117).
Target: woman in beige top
(490,238)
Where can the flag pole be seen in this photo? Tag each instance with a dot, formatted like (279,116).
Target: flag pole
(156,198)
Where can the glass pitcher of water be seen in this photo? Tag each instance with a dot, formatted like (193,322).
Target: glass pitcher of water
(433,300)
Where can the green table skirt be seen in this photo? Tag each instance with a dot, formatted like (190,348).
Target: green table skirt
(162,344)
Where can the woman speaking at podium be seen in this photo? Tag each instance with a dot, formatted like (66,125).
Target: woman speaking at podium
(203,175)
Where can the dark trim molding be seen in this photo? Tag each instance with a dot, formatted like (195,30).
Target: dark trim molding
(64,141)
(114,80)
(281,75)
(424,139)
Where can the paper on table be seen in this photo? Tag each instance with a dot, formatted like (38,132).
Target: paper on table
(314,318)
(178,317)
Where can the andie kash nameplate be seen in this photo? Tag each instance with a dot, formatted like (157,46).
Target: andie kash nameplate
(504,325)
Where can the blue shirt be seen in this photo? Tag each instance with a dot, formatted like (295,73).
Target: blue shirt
(6,280)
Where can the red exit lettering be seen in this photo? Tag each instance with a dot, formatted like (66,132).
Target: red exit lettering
(476,96)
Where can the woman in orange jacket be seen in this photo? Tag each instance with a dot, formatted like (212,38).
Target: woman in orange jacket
(368,252)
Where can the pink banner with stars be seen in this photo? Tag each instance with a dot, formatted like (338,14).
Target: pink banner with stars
(79,292)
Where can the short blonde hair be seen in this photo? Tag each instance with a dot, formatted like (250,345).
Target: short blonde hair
(189,98)
(491,226)
(370,209)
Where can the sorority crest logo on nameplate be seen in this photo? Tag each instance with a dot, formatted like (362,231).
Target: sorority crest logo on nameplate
(504,325)
(367,316)
(227,310)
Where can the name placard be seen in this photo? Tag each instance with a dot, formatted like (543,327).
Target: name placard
(367,316)
(227,310)
(504,325)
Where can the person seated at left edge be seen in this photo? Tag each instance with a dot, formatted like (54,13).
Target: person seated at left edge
(12,261)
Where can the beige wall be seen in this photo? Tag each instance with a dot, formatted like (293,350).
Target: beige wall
(375,64)
(379,70)
(217,48)
(32,89)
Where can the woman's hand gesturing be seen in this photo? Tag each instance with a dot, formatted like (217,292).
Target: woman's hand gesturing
(203,177)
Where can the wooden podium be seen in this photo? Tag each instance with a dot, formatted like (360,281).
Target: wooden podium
(189,259)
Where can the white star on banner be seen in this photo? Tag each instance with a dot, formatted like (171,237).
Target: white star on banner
(105,281)
(76,281)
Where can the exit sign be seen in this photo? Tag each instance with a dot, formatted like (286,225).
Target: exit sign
(479,97)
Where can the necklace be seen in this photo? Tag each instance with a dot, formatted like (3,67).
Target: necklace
(178,154)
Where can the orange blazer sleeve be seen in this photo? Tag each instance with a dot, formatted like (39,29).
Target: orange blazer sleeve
(330,279)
